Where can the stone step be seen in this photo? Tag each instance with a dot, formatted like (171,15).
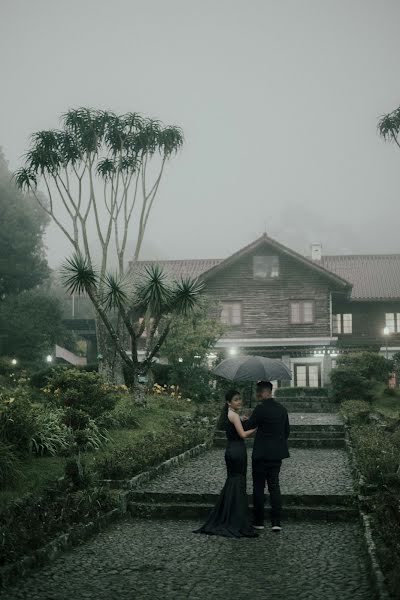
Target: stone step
(307,433)
(196,511)
(305,442)
(300,432)
(311,409)
(186,498)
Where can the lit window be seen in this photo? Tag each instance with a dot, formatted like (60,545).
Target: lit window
(392,322)
(265,267)
(343,323)
(231,313)
(301,312)
(307,375)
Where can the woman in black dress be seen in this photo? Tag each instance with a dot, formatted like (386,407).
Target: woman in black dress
(230,516)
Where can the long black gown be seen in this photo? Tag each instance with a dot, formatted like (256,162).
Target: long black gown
(230,516)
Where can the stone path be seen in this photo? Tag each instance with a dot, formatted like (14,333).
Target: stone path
(157,560)
(151,559)
(318,471)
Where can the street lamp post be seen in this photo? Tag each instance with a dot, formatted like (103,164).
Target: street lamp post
(386,334)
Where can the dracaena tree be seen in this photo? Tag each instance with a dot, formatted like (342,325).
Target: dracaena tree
(389,126)
(100,170)
(149,308)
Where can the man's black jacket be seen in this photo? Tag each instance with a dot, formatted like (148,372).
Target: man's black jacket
(272,422)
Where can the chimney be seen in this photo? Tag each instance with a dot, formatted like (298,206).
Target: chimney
(316,252)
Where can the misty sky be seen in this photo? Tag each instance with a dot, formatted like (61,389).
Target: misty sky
(278,100)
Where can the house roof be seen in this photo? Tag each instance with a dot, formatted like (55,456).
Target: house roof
(374,276)
(265,239)
(371,276)
(175,269)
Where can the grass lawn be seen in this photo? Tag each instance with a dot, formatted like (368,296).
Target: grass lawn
(37,472)
(389,406)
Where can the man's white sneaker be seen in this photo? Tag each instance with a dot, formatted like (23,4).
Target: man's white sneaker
(276,528)
(258,526)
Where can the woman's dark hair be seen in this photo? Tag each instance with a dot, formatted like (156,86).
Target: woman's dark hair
(224,413)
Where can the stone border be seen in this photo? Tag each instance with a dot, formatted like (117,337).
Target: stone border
(377,576)
(81,532)
(48,553)
(165,466)
(376,571)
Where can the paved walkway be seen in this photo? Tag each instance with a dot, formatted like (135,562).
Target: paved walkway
(319,471)
(157,560)
(162,559)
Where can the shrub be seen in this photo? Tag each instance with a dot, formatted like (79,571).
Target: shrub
(386,521)
(376,453)
(347,383)
(161,373)
(17,420)
(301,391)
(40,378)
(9,465)
(355,410)
(90,438)
(149,451)
(82,390)
(196,383)
(370,365)
(126,412)
(390,392)
(29,523)
(51,435)
(84,430)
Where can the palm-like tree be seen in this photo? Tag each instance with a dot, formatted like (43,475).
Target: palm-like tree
(389,126)
(150,307)
(99,150)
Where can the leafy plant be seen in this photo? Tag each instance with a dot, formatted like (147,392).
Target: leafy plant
(347,383)
(86,391)
(369,365)
(376,452)
(355,410)
(17,420)
(9,465)
(51,435)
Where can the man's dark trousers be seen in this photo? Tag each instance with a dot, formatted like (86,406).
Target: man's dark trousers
(266,471)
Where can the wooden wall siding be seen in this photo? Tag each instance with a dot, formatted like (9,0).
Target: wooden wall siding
(265,304)
(368,319)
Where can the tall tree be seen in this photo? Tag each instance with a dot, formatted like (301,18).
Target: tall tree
(124,156)
(22,258)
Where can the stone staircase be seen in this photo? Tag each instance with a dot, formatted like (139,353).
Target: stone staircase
(302,436)
(309,404)
(172,505)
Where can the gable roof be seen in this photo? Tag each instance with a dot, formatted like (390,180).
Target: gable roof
(374,276)
(176,269)
(265,239)
(371,276)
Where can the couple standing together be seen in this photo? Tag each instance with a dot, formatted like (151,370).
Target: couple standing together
(230,517)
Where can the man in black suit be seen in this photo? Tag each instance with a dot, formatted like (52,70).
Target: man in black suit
(270,447)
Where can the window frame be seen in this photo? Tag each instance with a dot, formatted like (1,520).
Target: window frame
(307,366)
(267,277)
(396,322)
(231,303)
(301,302)
(339,328)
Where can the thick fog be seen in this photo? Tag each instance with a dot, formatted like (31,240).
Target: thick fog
(278,101)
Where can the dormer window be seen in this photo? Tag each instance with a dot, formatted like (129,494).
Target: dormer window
(265,267)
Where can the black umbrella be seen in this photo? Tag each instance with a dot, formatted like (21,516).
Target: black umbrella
(253,368)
